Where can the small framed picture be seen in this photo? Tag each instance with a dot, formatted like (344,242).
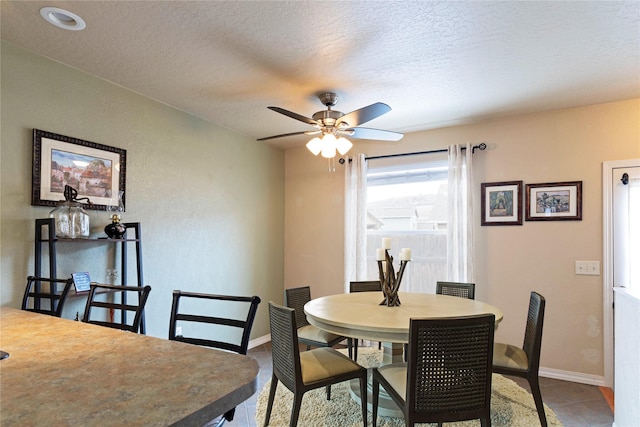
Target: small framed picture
(555,201)
(501,203)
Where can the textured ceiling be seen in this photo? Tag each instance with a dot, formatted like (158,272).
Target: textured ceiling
(434,63)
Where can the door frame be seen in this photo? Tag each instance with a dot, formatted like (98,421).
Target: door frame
(607,262)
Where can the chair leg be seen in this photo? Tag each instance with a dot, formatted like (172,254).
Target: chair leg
(272,395)
(221,421)
(328,392)
(295,411)
(363,398)
(485,422)
(374,403)
(355,350)
(229,414)
(350,347)
(537,397)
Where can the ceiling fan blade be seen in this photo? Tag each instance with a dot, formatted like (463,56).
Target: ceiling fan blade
(364,114)
(293,115)
(377,134)
(286,134)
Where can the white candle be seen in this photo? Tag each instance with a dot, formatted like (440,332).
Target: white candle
(405,254)
(384,267)
(380,254)
(386,243)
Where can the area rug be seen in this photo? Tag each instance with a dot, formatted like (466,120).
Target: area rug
(511,405)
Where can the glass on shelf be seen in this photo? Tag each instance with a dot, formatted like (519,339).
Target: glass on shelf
(112,276)
(71,220)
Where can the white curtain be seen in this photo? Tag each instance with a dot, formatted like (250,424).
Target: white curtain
(355,220)
(460,215)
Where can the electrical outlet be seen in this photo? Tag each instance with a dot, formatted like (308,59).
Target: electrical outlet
(179,331)
(591,268)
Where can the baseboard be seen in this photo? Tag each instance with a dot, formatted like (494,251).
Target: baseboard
(259,341)
(575,377)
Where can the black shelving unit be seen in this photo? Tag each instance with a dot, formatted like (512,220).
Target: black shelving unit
(45,233)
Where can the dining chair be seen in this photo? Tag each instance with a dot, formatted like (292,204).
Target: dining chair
(308,334)
(364,286)
(307,370)
(107,307)
(456,289)
(448,373)
(42,288)
(525,362)
(228,318)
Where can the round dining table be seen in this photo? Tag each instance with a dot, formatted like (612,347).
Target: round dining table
(360,315)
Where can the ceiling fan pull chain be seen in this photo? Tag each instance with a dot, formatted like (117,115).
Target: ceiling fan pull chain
(332,164)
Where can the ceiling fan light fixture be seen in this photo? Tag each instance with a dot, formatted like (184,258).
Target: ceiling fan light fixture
(329,146)
(333,124)
(315,146)
(343,145)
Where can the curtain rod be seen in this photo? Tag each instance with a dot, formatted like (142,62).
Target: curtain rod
(482,146)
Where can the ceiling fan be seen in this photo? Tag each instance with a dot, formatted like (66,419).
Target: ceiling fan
(332,126)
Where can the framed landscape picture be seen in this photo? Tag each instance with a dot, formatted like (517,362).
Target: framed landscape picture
(501,203)
(94,170)
(556,201)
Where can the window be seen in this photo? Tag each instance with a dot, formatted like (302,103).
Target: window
(407,201)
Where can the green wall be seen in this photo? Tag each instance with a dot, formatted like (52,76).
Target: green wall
(210,201)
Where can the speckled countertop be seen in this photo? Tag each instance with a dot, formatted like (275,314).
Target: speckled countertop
(66,373)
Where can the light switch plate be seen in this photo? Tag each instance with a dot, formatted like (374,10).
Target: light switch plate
(591,268)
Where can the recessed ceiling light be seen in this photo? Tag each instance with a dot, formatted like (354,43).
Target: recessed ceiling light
(63,18)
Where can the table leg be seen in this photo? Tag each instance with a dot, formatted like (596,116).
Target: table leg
(392,353)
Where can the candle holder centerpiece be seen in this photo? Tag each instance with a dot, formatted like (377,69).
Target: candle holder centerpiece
(389,280)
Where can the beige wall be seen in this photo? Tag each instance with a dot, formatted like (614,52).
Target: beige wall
(562,145)
(210,202)
(214,204)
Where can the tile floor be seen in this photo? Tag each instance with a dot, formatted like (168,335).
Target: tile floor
(576,405)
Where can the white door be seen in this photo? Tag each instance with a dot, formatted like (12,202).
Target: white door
(626,227)
(621,190)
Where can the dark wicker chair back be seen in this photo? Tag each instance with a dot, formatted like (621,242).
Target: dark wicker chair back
(122,294)
(506,356)
(456,289)
(448,371)
(54,298)
(309,335)
(186,318)
(533,331)
(284,348)
(296,298)
(366,286)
